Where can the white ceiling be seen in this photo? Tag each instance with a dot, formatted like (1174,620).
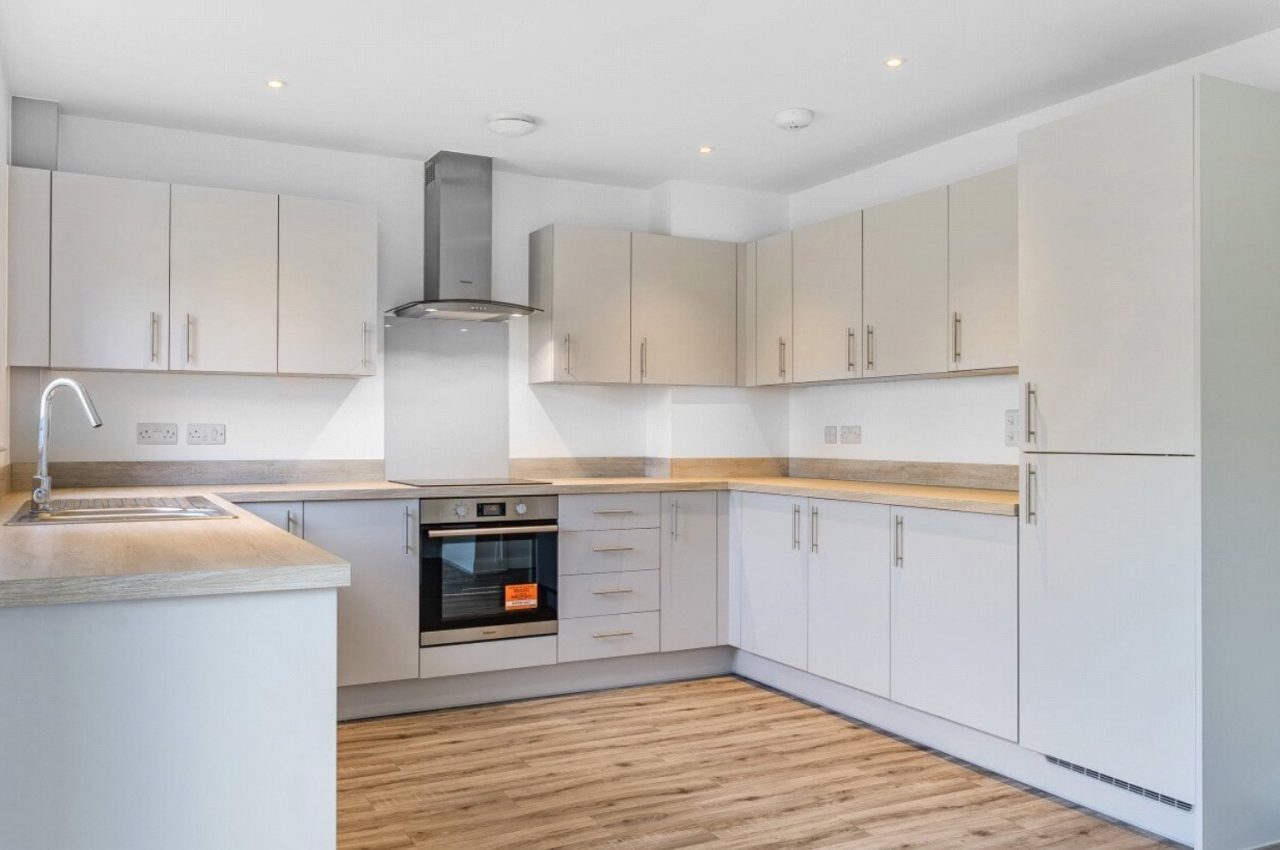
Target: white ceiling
(625,90)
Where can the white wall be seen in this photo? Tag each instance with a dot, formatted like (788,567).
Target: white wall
(4,274)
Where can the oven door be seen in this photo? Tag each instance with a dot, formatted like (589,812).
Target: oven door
(486,582)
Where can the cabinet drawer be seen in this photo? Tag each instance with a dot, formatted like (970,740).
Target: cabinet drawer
(609,510)
(609,593)
(608,551)
(460,659)
(609,636)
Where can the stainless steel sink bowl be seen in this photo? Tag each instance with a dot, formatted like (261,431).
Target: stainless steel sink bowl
(63,511)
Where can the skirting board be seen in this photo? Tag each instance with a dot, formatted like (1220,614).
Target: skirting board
(410,695)
(977,748)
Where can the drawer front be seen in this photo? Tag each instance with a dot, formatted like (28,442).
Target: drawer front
(609,510)
(609,551)
(609,593)
(609,636)
(462,658)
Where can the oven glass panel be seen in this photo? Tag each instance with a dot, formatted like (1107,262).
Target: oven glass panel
(485,580)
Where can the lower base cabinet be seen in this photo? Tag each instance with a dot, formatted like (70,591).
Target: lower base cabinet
(378,624)
(608,636)
(955,617)
(774,587)
(690,527)
(285,515)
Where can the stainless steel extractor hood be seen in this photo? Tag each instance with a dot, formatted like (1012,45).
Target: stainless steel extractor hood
(458,251)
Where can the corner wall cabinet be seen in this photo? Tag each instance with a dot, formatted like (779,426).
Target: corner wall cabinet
(132,275)
(775,355)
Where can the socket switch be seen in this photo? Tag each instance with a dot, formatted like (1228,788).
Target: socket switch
(1011,427)
(850,434)
(829,435)
(157,433)
(206,434)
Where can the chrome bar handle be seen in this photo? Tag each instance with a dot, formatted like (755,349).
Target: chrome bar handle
(188,337)
(851,349)
(154,331)
(644,358)
(1029,414)
(364,345)
(606,511)
(613,549)
(795,526)
(1032,480)
(870,336)
(613,634)
(675,519)
(955,332)
(288,520)
(567,351)
(612,591)
(813,529)
(782,357)
(898,559)
(408,530)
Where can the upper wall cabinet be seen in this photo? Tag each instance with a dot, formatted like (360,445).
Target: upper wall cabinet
(109,273)
(984,271)
(222,279)
(774,351)
(580,278)
(328,288)
(683,311)
(905,286)
(30,191)
(827,299)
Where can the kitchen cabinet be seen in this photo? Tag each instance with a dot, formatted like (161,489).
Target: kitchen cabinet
(328,282)
(747,314)
(284,515)
(222,280)
(30,197)
(689,566)
(904,296)
(774,585)
(955,617)
(109,273)
(774,352)
(580,278)
(983,268)
(683,311)
(378,623)
(827,298)
(1107,279)
(849,593)
(1108,565)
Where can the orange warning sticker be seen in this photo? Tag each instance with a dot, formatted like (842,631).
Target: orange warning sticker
(520,597)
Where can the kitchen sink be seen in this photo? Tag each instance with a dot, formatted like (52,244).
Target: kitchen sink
(63,511)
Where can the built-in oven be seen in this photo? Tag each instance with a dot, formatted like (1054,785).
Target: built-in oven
(488,568)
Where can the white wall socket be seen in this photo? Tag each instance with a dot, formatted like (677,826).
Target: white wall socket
(851,434)
(157,433)
(1011,427)
(206,434)
(829,435)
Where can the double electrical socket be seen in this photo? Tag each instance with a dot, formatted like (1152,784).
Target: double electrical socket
(847,433)
(166,434)
(1011,427)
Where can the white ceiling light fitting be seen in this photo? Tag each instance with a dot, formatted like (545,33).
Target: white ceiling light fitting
(796,118)
(894,62)
(276,84)
(512,125)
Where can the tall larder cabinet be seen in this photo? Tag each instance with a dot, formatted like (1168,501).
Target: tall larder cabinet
(1149,286)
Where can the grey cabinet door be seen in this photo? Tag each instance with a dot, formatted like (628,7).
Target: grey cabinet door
(689,568)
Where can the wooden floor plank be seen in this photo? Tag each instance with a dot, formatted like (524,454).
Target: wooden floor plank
(712,763)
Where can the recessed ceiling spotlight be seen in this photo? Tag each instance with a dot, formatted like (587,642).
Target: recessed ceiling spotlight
(512,125)
(276,84)
(894,62)
(796,118)
(704,149)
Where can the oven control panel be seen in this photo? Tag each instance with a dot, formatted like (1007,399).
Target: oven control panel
(489,509)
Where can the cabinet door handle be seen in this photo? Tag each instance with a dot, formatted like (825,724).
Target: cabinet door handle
(153,330)
(782,357)
(898,559)
(870,336)
(567,351)
(613,549)
(851,349)
(408,530)
(364,345)
(675,519)
(288,521)
(644,358)
(1032,480)
(795,526)
(604,511)
(813,529)
(955,325)
(1029,401)
(613,634)
(188,337)
(611,591)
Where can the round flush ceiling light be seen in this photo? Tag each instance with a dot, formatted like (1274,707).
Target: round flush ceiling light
(894,62)
(706,149)
(512,125)
(276,84)
(796,118)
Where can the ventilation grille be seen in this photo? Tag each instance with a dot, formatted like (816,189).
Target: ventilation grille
(1181,805)
(430,173)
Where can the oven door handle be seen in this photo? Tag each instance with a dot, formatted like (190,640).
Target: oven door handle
(485,531)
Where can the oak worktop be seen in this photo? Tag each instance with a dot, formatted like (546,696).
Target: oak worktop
(96,562)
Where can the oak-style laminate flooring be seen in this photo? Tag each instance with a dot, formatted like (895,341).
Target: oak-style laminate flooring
(712,763)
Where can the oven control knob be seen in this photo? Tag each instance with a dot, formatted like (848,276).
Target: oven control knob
(522,508)
(460,510)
